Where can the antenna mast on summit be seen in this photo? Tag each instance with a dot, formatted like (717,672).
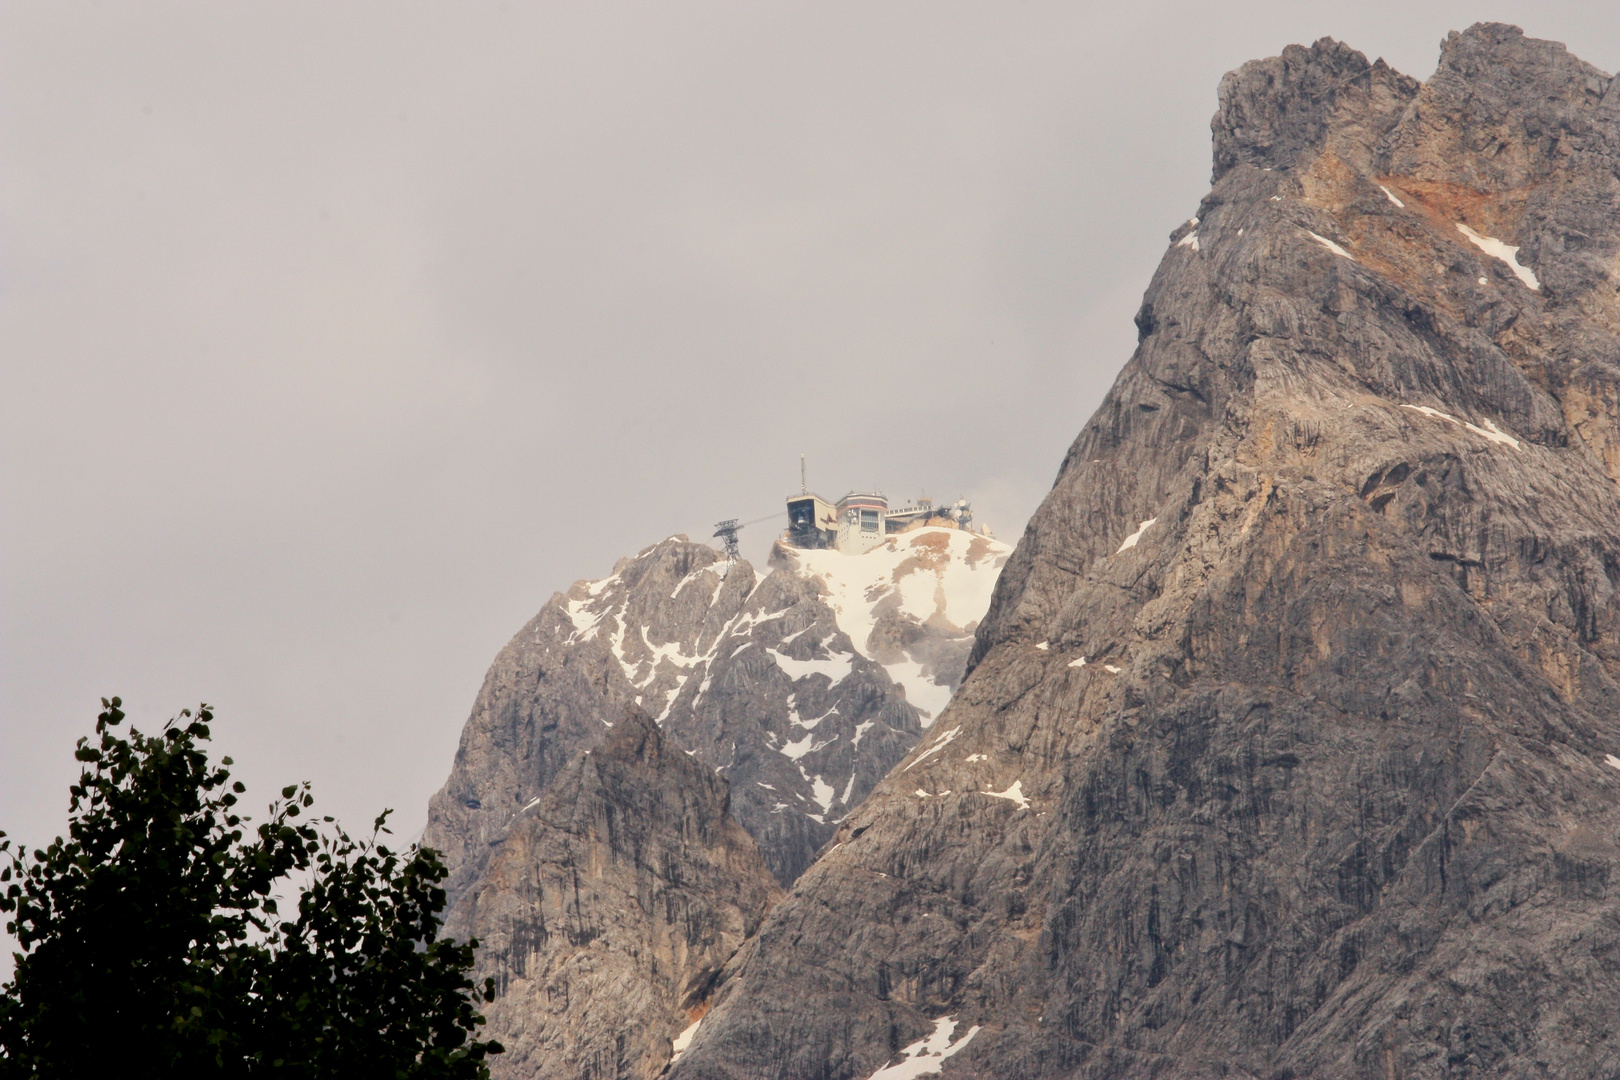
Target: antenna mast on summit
(727,532)
(804,489)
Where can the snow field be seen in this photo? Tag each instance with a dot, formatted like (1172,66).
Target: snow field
(1489,430)
(683,1041)
(1330,245)
(931,573)
(1506,253)
(938,576)
(927,1056)
(1131,540)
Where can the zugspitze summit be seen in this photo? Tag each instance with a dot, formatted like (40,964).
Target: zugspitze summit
(1285,743)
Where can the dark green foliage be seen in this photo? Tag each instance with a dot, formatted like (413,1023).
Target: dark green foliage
(152,945)
(362,985)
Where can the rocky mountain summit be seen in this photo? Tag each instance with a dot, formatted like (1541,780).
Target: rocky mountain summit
(598,859)
(802,687)
(1291,741)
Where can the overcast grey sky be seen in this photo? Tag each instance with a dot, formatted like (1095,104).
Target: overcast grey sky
(335,337)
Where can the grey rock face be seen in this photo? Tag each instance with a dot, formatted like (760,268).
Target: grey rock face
(607,882)
(1291,744)
(607,912)
(555,689)
(758,678)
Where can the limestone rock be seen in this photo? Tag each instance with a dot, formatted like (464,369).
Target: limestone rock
(606,914)
(802,688)
(1291,742)
(608,883)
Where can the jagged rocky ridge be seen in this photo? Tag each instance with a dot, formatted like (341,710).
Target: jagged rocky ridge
(608,883)
(1291,745)
(802,687)
(611,906)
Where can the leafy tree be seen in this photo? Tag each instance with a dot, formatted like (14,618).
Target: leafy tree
(151,943)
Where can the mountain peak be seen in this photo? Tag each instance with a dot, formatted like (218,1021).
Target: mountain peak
(1274,112)
(802,687)
(608,909)
(1291,745)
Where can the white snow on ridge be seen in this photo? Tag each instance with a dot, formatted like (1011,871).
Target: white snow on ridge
(921,690)
(1391,196)
(1191,239)
(591,613)
(920,595)
(1012,794)
(934,575)
(1493,433)
(927,1056)
(1330,245)
(793,751)
(1507,253)
(684,1040)
(1488,431)
(583,619)
(1130,541)
(797,634)
(717,569)
(1436,413)
(810,724)
(837,668)
(939,744)
(670,651)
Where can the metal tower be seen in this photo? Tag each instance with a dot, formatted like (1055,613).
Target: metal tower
(727,532)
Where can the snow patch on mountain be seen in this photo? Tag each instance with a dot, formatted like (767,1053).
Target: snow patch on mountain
(1130,541)
(702,649)
(927,1056)
(1507,253)
(836,669)
(1488,430)
(1013,794)
(1330,245)
(939,744)
(684,1040)
(936,577)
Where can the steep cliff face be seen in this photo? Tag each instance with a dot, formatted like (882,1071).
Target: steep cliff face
(599,860)
(609,909)
(803,688)
(1291,745)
